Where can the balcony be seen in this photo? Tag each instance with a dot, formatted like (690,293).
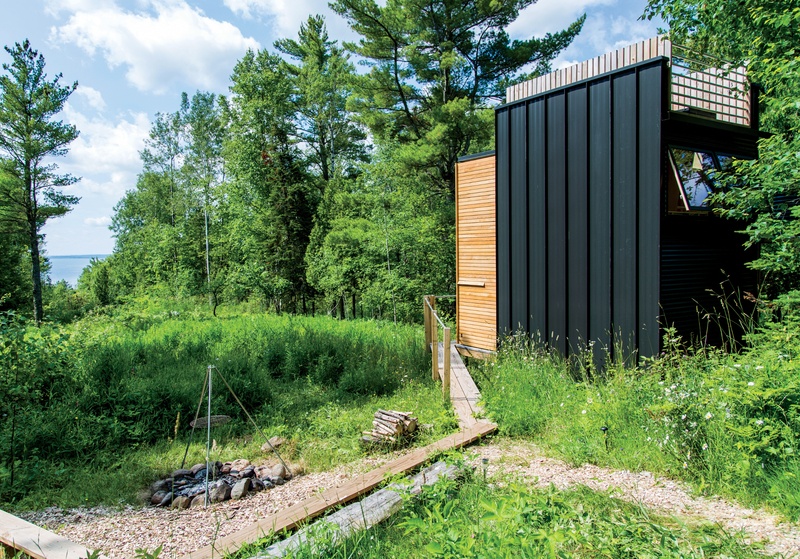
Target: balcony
(701,85)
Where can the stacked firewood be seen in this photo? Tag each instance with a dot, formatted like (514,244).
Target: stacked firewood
(391,425)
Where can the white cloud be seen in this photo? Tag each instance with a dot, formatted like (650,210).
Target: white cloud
(602,32)
(550,16)
(98,221)
(287,15)
(92,96)
(171,42)
(605,34)
(106,154)
(106,146)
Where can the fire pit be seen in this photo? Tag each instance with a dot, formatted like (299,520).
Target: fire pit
(230,480)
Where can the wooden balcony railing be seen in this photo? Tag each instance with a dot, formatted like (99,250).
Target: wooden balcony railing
(700,84)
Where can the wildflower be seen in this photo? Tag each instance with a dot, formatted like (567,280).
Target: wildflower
(589,400)
(562,405)
(705,446)
(683,416)
(751,383)
(649,439)
(709,415)
(689,455)
(584,412)
(759,367)
(685,465)
(760,422)
(737,365)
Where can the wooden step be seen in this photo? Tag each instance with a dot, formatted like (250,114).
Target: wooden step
(37,542)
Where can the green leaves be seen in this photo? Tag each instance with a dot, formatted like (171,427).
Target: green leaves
(29,186)
(434,66)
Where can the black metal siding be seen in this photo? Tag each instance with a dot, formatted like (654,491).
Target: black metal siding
(599,164)
(577,218)
(650,80)
(519,220)
(537,219)
(588,158)
(556,221)
(625,208)
(503,226)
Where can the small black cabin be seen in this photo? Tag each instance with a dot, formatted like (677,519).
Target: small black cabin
(603,176)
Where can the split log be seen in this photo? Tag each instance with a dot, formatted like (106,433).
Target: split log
(373,509)
(396,428)
(379,435)
(393,414)
(387,418)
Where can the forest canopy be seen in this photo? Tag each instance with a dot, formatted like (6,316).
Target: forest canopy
(314,187)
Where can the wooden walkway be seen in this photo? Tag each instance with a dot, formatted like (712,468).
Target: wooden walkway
(316,505)
(464,394)
(36,542)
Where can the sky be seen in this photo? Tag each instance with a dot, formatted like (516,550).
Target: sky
(133,58)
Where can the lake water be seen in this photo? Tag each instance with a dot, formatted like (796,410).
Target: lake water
(69,268)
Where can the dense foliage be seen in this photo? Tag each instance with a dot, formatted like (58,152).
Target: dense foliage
(315,189)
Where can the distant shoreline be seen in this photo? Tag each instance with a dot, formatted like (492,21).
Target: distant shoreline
(69,267)
(79,256)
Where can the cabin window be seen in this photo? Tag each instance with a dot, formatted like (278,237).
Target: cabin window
(692,178)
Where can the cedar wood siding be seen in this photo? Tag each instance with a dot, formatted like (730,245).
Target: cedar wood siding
(476,262)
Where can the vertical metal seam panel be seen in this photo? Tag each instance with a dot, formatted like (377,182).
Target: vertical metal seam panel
(577,218)
(599,215)
(625,234)
(519,218)
(556,215)
(537,218)
(650,92)
(501,222)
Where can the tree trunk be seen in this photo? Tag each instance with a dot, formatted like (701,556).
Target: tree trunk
(354,306)
(36,274)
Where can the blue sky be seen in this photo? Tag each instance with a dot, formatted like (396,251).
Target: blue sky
(133,58)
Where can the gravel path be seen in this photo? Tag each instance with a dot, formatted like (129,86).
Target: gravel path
(118,533)
(510,457)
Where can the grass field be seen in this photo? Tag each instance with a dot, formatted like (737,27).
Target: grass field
(110,397)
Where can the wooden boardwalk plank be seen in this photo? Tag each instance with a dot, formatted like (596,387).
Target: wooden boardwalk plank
(37,542)
(314,506)
(459,372)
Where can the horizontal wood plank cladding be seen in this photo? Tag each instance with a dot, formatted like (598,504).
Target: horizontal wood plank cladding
(476,226)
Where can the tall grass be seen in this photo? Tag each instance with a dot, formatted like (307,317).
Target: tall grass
(123,386)
(728,423)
